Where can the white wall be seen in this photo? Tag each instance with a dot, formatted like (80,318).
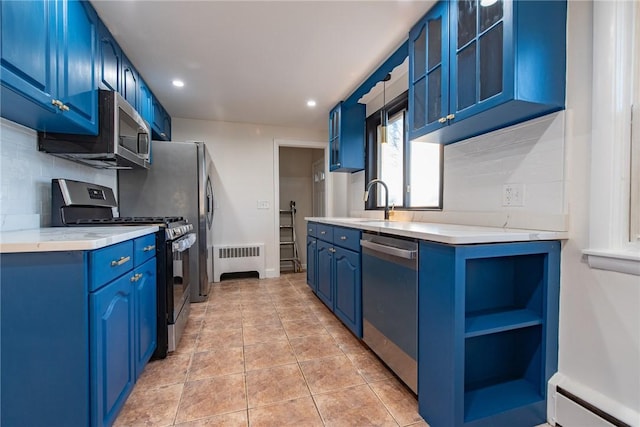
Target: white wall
(243,155)
(26,173)
(599,310)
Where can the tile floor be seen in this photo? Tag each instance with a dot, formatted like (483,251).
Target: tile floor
(268,353)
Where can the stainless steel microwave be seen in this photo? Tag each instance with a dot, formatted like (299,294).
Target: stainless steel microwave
(123,140)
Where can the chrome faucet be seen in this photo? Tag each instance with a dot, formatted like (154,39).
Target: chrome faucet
(386,195)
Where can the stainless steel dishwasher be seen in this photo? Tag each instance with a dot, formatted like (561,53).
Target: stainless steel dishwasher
(390,302)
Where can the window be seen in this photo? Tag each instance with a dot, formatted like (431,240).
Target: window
(412,170)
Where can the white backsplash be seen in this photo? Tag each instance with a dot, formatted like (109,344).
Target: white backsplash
(26,173)
(531,154)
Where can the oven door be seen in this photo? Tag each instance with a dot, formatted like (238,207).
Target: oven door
(180,273)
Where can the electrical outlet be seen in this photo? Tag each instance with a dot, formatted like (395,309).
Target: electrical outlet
(513,195)
(263,204)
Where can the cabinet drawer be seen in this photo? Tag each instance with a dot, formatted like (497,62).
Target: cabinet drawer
(324,232)
(144,248)
(108,263)
(347,238)
(312,229)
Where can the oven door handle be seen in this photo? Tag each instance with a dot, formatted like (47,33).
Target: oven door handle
(184,243)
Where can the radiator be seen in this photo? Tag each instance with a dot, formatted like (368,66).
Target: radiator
(570,404)
(238,258)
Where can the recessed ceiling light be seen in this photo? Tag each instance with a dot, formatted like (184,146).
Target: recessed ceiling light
(178,83)
(311,103)
(487,3)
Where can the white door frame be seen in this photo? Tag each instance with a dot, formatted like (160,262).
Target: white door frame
(277,143)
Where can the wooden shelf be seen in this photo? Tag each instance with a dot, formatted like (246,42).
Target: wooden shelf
(500,321)
(487,401)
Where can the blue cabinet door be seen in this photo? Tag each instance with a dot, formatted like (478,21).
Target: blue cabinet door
(334,137)
(348,289)
(129,89)
(312,256)
(109,60)
(161,125)
(28,58)
(325,273)
(112,346)
(481,46)
(429,71)
(145,104)
(77,56)
(145,314)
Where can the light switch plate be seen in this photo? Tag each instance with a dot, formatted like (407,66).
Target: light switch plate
(263,204)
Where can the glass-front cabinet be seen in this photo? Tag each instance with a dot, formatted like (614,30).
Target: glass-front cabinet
(478,51)
(346,137)
(490,66)
(429,71)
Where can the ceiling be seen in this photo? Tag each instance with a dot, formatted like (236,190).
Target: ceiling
(258,61)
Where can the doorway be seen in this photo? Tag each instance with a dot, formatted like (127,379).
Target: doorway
(301,182)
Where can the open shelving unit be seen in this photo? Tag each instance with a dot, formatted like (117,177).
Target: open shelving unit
(488,319)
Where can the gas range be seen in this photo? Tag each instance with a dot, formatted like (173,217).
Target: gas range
(75,203)
(81,204)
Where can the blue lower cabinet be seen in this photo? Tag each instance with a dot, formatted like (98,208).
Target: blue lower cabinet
(312,256)
(146,325)
(73,343)
(334,272)
(325,273)
(348,289)
(112,345)
(488,332)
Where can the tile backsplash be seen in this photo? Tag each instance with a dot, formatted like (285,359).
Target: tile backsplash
(530,155)
(25,178)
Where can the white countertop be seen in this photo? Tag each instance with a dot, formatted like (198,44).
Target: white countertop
(453,234)
(69,238)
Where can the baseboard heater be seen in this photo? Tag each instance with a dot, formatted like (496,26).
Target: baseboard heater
(582,413)
(238,258)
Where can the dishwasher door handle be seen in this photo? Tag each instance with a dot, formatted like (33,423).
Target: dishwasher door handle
(390,250)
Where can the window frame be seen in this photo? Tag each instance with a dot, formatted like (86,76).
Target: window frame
(373,121)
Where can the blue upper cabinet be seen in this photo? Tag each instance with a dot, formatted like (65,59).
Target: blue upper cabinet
(54,55)
(47,54)
(161,126)
(474,69)
(77,80)
(145,102)
(346,137)
(129,89)
(109,61)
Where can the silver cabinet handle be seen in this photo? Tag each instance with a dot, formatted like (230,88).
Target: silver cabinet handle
(310,230)
(389,250)
(323,232)
(343,237)
(148,248)
(136,277)
(332,250)
(122,260)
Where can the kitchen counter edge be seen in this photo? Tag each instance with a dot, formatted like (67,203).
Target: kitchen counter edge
(453,234)
(55,239)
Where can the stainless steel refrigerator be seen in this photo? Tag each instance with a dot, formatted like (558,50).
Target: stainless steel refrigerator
(177,183)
